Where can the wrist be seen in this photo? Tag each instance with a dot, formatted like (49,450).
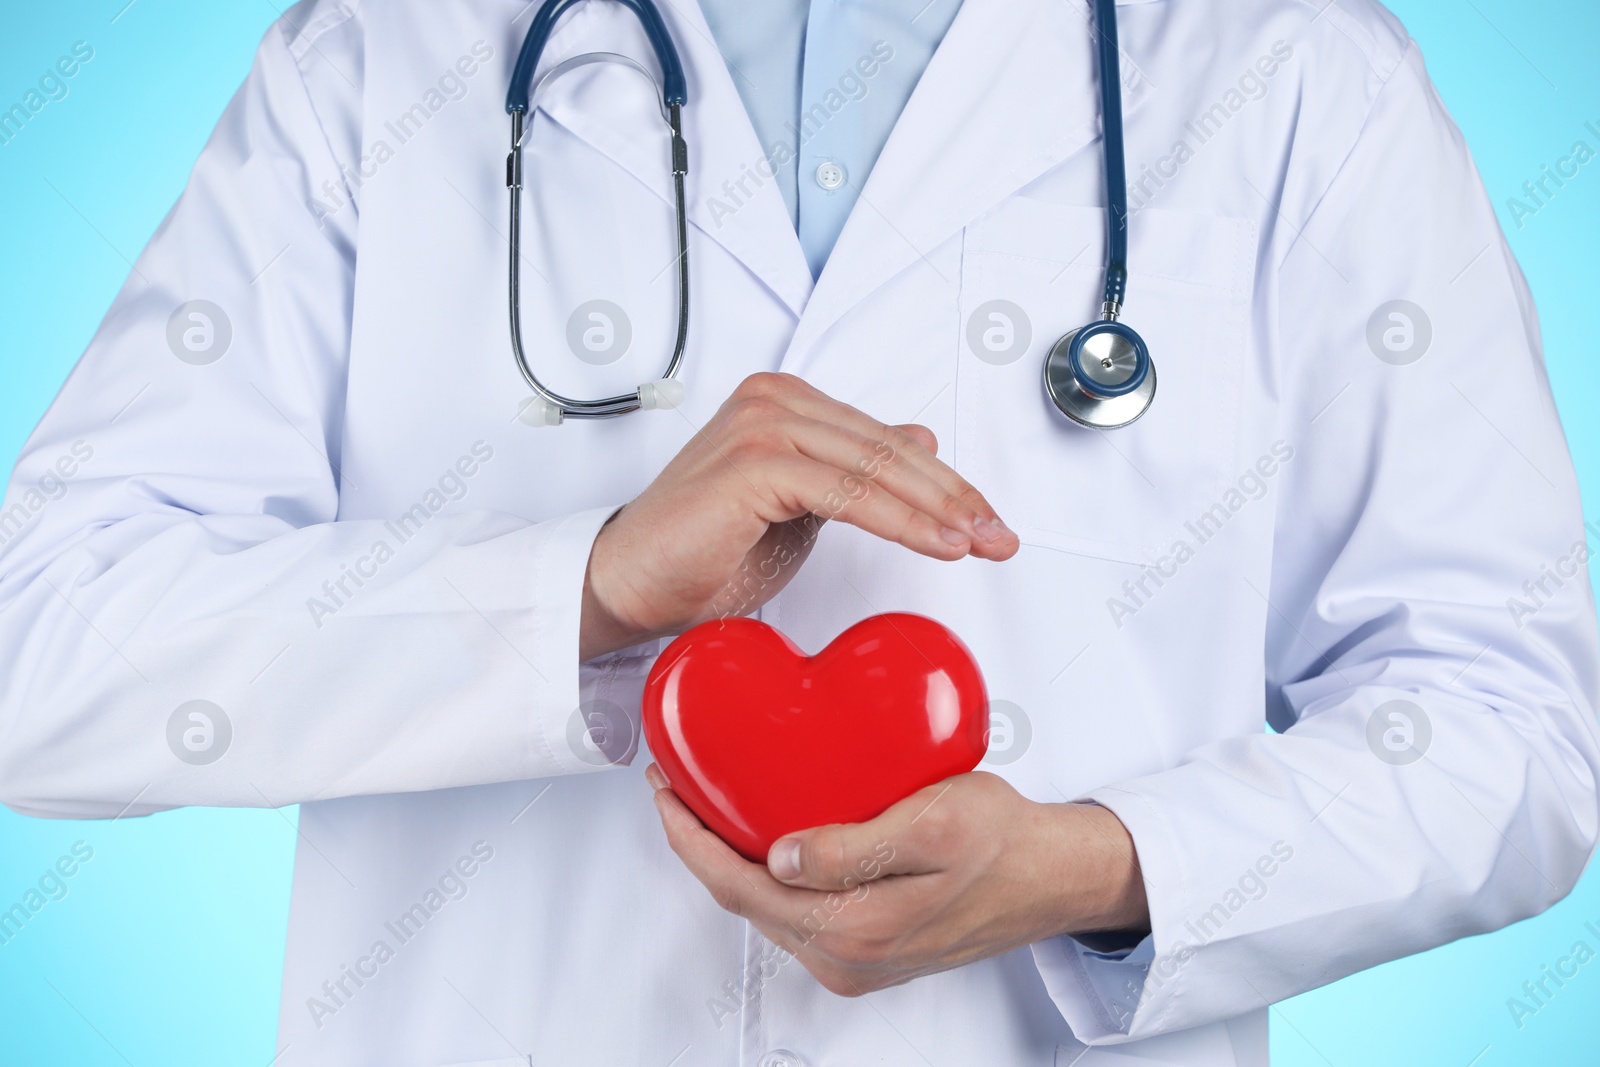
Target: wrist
(1096,885)
(598,630)
(601,630)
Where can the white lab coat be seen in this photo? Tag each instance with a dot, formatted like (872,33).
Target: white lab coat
(1351,529)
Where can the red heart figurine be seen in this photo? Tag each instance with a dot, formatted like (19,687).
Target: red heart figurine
(760,739)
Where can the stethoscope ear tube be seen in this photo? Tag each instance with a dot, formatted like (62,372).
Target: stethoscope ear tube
(553,407)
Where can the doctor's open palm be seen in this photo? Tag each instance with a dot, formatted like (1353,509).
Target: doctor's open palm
(732,517)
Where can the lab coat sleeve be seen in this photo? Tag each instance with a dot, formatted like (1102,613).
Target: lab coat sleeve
(184,616)
(1430,645)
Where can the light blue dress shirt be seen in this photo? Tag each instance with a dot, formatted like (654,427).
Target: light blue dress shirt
(824,82)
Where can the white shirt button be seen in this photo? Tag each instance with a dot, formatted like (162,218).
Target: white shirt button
(829,176)
(781,1057)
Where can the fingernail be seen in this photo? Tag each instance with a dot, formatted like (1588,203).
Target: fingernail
(952,537)
(989,530)
(784,859)
(653,775)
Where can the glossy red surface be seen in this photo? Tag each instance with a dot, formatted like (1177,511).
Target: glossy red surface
(761,740)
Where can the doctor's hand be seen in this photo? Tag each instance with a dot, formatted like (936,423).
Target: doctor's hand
(957,872)
(731,518)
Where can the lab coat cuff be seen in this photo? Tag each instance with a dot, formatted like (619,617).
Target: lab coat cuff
(1097,993)
(591,719)
(610,695)
(1111,997)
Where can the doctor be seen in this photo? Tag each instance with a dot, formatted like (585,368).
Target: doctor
(292,532)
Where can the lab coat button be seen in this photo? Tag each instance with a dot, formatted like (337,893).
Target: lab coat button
(779,1057)
(830,175)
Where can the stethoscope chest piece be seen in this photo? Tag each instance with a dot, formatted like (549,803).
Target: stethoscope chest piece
(1101,375)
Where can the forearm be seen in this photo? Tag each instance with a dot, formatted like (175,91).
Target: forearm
(342,667)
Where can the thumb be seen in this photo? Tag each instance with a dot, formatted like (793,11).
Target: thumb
(839,857)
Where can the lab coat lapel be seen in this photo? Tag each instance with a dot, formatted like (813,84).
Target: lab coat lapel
(1010,93)
(727,200)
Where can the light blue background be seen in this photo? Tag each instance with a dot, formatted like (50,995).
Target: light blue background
(167,949)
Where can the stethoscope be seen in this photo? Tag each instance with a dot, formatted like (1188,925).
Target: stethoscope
(1099,375)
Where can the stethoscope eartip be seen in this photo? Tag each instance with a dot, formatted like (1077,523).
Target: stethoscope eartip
(537,411)
(661,393)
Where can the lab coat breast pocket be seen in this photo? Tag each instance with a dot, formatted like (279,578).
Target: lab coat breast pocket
(1032,271)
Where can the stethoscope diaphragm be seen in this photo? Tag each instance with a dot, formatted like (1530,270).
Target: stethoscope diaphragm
(1101,375)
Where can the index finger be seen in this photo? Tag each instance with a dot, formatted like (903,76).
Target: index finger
(805,399)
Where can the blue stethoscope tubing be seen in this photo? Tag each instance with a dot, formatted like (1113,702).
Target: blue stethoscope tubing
(1099,375)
